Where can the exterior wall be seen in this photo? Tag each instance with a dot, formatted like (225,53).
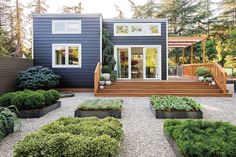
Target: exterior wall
(89,40)
(9,68)
(142,40)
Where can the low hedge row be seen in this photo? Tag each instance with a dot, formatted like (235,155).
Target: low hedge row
(196,138)
(173,103)
(73,137)
(28,99)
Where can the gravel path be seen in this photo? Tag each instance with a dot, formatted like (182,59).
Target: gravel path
(143,133)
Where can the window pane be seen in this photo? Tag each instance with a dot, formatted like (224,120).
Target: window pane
(73,55)
(59,27)
(73,26)
(135,29)
(151,63)
(122,63)
(60,55)
(154,28)
(122,29)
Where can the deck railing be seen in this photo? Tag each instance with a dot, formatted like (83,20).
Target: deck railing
(97,74)
(217,71)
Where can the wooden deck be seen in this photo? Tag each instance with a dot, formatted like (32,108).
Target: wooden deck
(178,86)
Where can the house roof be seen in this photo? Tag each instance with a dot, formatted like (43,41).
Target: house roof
(182,42)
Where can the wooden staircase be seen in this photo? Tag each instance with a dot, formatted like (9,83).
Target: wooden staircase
(144,88)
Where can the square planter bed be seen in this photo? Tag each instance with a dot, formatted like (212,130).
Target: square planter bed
(192,138)
(175,107)
(100,108)
(37,113)
(71,137)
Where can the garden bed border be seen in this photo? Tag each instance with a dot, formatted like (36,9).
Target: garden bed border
(173,145)
(98,113)
(176,114)
(37,113)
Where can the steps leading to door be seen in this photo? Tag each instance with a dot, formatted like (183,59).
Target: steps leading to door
(148,88)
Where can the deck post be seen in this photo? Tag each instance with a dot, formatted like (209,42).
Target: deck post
(192,54)
(204,51)
(183,56)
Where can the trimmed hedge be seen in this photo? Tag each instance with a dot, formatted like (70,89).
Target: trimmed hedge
(203,138)
(27,99)
(173,103)
(73,137)
(98,104)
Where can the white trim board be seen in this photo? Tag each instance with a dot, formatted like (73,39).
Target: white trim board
(66,56)
(159,70)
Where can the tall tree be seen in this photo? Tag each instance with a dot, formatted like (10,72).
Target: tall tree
(120,12)
(38,6)
(73,9)
(5,9)
(228,12)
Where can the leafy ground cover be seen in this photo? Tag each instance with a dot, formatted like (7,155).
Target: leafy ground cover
(196,138)
(98,104)
(73,137)
(173,103)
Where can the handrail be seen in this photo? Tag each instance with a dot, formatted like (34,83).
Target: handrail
(217,71)
(97,74)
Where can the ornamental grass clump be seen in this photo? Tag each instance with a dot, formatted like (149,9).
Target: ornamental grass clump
(98,104)
(73,137)
(197,138)
(173,103)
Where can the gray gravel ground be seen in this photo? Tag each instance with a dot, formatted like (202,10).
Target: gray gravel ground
(143,133)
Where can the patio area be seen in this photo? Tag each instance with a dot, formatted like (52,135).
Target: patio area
(143,133)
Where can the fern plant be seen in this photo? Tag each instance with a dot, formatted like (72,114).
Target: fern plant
(8,120)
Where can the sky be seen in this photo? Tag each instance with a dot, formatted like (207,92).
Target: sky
(106,7)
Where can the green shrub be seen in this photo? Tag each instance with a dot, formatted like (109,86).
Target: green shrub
(19,100)
(172,103)
(5,100)
(49,98)
(202,71)
(37,78)
(196,138)
(77,137)
(34,100)
(56,95)
(98,104)
(8,120)
(106,69)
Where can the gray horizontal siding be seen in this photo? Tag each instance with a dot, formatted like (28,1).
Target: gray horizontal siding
(89,40)
(141,40)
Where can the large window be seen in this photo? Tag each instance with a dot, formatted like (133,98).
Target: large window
(137,29)
(66,27)
(66,55)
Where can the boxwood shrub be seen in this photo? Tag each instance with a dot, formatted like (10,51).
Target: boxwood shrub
(73,137)
(28,99)
(197,138)
(173,103)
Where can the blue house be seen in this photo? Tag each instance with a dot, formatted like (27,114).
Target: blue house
(72,46)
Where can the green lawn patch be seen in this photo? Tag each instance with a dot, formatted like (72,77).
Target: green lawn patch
(73,137)
(98,104)
(196,138)
(173,103)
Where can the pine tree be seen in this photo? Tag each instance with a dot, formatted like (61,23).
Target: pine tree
(228,15)
(73,9)
(120,12)
(38,6)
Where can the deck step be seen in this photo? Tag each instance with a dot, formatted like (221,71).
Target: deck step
(158,83)
(120,86)
(132,90)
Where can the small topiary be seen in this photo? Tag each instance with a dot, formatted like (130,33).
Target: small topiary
(5,100)
(56,95)
(37,78)
(202,71)
(106,69)
(49,98)
(34,100)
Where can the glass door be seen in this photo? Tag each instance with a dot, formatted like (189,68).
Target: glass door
(122,56)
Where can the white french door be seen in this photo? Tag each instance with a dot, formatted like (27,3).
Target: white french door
(150,67)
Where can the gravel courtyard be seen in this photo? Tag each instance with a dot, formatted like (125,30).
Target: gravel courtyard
(143,133)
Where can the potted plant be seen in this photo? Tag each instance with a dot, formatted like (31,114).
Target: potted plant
(106,70)
(102,81)
(209,77)
(108,83)
(202,72)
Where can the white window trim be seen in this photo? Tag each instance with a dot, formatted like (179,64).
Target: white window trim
(159,70)
(134,24)
(66,56)
(66,24)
